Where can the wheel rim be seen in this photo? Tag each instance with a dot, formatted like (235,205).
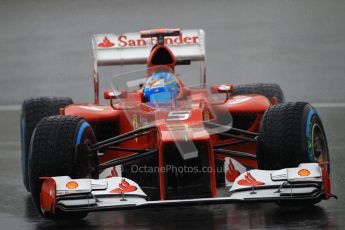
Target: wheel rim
(319,145)
(88,159)
(91,162)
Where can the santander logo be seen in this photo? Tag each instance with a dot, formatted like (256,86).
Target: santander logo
(231,174)
(106,43)
(113,173)
(124,187)
(131,41)
(249,180)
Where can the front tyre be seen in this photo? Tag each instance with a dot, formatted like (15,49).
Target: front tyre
(53,153)
(33,110)
(290,134)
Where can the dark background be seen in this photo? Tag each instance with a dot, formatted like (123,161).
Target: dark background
(45,46)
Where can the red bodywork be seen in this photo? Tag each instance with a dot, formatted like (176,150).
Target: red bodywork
(114,114)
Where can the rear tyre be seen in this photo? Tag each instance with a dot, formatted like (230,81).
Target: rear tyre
(53,153)
(266,89)
(290,134)
(33,110)
(269,90)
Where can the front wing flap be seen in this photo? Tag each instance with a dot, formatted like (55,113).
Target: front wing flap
(306,182)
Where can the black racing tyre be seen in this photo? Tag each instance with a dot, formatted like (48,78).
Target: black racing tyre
(53,153)
(290,134)
(33,110)
(268,90)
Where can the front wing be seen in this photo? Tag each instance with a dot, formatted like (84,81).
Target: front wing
(306,182)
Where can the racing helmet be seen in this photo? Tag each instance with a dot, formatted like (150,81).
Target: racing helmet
(161,87)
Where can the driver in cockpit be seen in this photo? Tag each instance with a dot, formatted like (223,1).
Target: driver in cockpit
(161,87)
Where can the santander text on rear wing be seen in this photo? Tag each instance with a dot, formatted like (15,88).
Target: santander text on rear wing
(131,48)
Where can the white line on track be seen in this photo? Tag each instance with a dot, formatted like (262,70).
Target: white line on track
(10,107)
(320,105)
(328,105)
(10,143)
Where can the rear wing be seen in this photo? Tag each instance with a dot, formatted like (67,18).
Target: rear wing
(132,48)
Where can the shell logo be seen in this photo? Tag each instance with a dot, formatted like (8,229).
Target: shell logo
(72,185)
(304,172)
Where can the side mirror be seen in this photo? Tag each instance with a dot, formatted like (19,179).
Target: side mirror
(226,88)
(109,94)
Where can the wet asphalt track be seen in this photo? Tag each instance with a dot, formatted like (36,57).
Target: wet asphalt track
(17,212)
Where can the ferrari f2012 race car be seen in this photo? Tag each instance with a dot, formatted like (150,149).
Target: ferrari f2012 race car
(161,142)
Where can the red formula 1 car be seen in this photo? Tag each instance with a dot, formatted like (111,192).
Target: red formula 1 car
(163,139)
